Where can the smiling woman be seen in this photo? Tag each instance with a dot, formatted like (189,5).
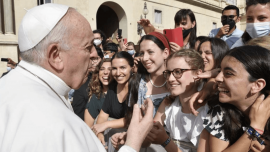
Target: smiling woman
(241,112)
(114,105)
(98,87)
(212,50)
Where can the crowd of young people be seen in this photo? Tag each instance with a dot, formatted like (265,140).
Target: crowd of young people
(235,85)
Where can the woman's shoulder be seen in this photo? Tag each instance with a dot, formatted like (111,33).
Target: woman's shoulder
(112,87)
(213,122)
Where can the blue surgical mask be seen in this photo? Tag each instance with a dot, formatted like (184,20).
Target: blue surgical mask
(9,68)
(258,29)
(106,57)
(131,52)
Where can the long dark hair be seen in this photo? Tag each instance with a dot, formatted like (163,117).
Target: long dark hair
(134,82)
(182,15)
(95,86)
(255,59)
(124,55)
(246,37)
(218,47)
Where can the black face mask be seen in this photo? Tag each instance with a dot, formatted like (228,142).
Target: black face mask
(229,22)
(186,32)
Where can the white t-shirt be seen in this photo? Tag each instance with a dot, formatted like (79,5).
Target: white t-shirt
(183,126)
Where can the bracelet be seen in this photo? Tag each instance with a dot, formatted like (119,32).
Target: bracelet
(254,135)
(261,141)
(252,132)
(166,142)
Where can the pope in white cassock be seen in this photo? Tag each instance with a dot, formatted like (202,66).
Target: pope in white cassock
(56,46)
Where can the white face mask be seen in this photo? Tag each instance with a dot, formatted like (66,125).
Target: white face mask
(97,42)
(131,52)
(258,29)
(9,68)
(106,57)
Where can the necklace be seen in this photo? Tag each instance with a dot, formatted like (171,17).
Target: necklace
(155,85)
(44,82)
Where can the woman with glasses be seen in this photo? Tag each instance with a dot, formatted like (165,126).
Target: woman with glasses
(184,129)
(98,87)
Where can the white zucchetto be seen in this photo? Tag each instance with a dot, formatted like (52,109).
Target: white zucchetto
(37,24)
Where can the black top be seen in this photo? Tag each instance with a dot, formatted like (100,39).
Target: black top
(112,106)
(81,98)
(95,105)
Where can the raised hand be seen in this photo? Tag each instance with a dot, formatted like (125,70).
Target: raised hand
(223,31)
(147,26)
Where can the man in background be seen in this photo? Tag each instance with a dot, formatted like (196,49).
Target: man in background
(229,32)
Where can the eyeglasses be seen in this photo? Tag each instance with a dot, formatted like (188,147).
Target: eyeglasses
(94,59)
(224,17)
(177,73)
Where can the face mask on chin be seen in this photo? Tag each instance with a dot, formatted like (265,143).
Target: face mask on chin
(186,32)
(106,57)
(131,52)
(97,42)
(258,29)
(229,22)
(9,68)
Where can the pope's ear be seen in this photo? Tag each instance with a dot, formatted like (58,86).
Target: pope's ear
(55,57)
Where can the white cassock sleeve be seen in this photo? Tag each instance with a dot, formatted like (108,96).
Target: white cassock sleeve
(126,148)
(60,138)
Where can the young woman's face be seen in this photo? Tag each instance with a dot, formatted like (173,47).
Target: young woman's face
(185,84)
(185,24)
(208,58)
(121,70)
(258,13)
(104,74)
(233,84)
(152,57)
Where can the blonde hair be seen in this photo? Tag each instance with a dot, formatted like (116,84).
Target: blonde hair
(192,57)
(261,41)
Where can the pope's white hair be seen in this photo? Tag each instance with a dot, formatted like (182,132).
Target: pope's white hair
(59,34)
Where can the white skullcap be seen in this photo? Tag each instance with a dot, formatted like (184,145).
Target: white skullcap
(37,24)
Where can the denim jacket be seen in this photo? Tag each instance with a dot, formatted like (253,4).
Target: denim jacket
(142,95)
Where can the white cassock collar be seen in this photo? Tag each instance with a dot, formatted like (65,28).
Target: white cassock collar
(54,81)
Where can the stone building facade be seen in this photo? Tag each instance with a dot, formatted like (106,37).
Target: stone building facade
(109,15)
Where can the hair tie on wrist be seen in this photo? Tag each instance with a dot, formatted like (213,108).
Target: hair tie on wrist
(259,131)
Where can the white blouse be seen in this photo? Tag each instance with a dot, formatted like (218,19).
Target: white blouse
(183,126)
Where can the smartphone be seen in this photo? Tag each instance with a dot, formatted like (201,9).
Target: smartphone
(174,35)
(4,59)
(119,33)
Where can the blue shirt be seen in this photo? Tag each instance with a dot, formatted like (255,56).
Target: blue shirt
(229,39)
